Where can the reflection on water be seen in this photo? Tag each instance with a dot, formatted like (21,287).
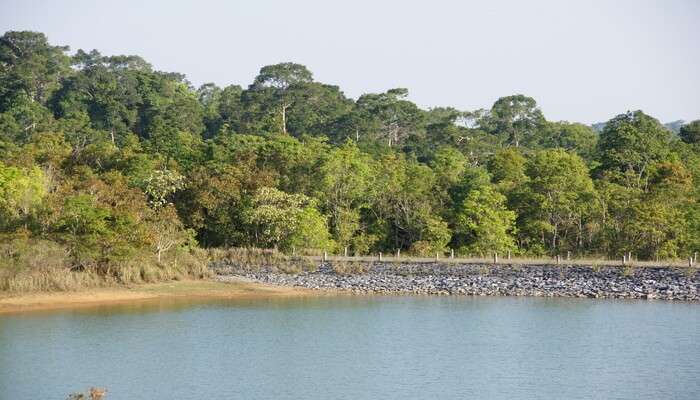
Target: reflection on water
(356,348)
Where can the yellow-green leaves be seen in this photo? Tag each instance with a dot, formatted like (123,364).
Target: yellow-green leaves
(21,191)
(283,220)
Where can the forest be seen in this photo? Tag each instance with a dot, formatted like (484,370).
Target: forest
(111,171)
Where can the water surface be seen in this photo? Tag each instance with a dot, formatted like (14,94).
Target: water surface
(357,348)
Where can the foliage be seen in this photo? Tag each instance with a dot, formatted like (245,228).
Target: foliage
(282,220)
(21,192)
(556,201)
(574,137)
(485,222)
(346,186)
(113,172)
(629,144)
(516,119)
(160,185)
(690,133)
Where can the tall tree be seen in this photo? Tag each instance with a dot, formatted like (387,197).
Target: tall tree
(347,177)
(404,209)
(649,222)
(106,91)
(516,119)
(21,192)
(578,138)
(556,201)
(269,97)
(629,144)
(484,224)
(387,117)
(282,220)
(30,67)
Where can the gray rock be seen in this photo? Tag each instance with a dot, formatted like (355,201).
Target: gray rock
(482,280)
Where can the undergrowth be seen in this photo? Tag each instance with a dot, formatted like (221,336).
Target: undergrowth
(29,265)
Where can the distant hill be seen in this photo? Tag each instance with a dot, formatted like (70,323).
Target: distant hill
(598,127)
(674,126)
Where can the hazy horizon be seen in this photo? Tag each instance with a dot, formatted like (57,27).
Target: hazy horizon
(584,62)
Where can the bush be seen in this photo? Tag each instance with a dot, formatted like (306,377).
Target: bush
(242,259)
(28,265)
(349,268)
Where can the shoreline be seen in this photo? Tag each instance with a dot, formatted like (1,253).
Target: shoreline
(575,281)
(237,288)
(235,282)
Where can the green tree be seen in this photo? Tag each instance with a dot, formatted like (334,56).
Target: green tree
(222,108)
(574,137)
(690,133)
(107,93)
(629,144)
(556,202)
(268,99)
(386,117)
(29,67)
(212,203)
(282,220)
(484,222)
(285,99)
(283,75)
(21,192)
(403,208)
(167,231)
(98,218)
(649,222)
(507,169)
(82,225)
(161,185)
(517,119)
(347,178)
(443,127)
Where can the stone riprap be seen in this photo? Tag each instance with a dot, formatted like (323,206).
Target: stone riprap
(484,280)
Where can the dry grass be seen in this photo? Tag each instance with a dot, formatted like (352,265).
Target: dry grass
(350,267)
(254,259)
(45,266)
(628,270)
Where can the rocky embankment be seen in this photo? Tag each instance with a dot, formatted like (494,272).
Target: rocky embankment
(485,280)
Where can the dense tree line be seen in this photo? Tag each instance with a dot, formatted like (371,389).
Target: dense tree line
(106,159)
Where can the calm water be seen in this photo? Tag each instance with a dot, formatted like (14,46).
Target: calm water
(358,348)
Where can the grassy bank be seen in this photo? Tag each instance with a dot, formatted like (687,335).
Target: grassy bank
(29,266)
(239,289)
(33,265)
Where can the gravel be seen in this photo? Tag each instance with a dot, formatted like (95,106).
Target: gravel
(485,280)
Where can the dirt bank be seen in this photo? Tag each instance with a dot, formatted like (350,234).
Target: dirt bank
(235,289)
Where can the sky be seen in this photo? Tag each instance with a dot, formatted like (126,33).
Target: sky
(583,61)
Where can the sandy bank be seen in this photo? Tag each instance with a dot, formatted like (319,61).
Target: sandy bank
(234,289)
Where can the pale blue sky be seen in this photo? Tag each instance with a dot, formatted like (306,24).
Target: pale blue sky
(581,60)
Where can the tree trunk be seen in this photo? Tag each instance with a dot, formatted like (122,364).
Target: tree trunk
(285,106)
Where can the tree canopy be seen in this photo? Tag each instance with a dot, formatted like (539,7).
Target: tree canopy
(112,160)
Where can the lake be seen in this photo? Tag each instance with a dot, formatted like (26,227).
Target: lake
(349,347)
